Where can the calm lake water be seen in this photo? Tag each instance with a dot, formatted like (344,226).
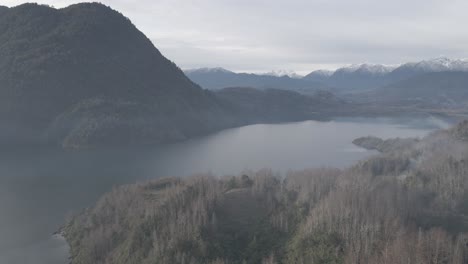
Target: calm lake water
(38,188)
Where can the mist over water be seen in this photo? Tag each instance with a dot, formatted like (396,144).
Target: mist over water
(39,187)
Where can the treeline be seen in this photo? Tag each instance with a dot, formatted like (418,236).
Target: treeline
(408,205)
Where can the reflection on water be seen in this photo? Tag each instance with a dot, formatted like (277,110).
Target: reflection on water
(38,188)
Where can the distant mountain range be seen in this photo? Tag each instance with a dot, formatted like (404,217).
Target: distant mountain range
(369,76)
(346,80)
(218,78)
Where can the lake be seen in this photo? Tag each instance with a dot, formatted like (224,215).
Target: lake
(40,187)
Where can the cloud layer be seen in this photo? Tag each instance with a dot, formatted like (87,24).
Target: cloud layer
(301,35)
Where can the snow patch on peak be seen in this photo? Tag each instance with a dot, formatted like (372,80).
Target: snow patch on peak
(441,64)
(207,70)
(283,73)
(323,73)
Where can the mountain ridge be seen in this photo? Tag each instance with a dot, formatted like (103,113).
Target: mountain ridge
(348,79)
(371,76)
(216,79)
(430,65)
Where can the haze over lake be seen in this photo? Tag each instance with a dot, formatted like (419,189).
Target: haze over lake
(39,188)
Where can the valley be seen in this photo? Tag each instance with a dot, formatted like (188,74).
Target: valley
(111,153)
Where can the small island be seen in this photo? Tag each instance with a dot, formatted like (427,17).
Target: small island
(388,145)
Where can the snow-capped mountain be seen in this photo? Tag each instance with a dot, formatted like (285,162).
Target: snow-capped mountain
(323,72)
(353,77)
(412,69)
(433,65)
(319,75)
(348,79)
(438,65)
(369,76)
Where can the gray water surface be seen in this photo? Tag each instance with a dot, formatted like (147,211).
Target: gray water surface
(40,187)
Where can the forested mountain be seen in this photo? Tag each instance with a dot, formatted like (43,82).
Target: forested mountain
(276,105)
(405,205)
(84,71)
(218,78)
(84,75)
(437,89)
(3,9)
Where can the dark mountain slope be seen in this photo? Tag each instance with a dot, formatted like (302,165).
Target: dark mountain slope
(276,105)
(53,60)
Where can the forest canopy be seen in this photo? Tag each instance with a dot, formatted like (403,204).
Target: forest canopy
(406,205)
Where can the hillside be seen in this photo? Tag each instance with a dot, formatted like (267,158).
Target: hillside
(438,89)
(406,205)
(275,105)
(59,66)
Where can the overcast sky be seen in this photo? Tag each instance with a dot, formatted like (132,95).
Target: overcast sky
(299,35)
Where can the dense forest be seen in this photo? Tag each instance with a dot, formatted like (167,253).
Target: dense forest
(408,204)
